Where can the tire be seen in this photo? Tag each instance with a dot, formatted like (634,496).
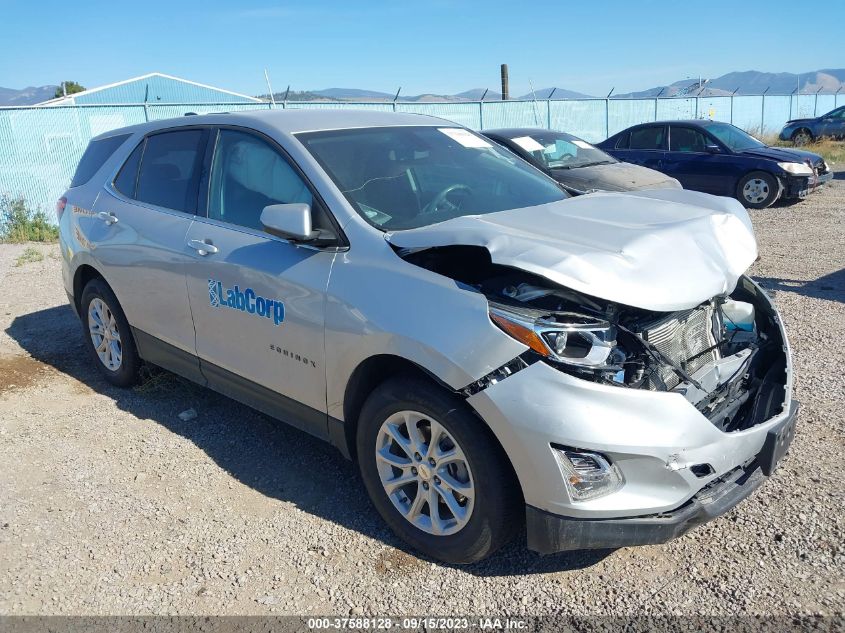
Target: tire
(758,190)
(118,360)
(802,136)
(490,512)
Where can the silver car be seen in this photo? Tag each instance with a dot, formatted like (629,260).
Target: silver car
(492,353)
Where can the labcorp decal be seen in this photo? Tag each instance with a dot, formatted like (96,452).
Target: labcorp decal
(245,301)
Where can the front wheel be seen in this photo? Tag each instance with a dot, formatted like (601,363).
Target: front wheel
(802,137)
(758,190)
(435,473)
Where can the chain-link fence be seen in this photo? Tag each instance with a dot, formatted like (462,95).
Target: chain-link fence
(40,145)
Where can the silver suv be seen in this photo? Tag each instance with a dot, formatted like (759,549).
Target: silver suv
(492,354)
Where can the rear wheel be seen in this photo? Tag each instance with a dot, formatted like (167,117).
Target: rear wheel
(435,473)
(758,190)
(802,137)
(107,334)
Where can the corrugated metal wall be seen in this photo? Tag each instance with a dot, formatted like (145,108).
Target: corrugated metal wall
(40,146)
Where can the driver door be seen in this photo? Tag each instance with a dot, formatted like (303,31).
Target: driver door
(258,300)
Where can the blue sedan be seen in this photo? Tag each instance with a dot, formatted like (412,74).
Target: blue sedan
(721,159)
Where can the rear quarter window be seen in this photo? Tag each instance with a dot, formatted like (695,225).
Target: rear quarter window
(97,153)
(127,178)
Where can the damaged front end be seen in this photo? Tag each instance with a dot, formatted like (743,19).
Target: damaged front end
(727,356)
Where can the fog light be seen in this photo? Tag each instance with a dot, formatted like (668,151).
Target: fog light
(587,475)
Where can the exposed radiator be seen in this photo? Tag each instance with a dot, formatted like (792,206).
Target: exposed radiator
(682,337)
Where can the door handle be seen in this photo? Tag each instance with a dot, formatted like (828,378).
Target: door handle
(203,247)
(109,218)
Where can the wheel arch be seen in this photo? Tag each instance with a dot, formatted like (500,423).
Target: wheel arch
(81,276)
(365,378)
(803,128)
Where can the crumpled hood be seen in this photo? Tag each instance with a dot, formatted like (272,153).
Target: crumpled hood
(614,177)
(661,250)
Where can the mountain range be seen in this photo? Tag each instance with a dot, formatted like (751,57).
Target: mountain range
(745,82)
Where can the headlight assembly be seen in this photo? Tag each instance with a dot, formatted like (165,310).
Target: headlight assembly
(796,169)
(565,337)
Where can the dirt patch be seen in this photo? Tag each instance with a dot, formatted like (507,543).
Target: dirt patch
(396,561)
(20,372)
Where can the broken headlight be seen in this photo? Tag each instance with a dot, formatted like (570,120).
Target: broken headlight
(565,337)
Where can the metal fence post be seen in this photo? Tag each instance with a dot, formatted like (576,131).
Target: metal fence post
(481,115)
(146,112)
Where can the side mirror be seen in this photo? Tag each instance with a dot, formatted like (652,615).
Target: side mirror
(713,149)
(289,221)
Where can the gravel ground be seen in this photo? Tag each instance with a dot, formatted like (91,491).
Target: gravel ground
(111,504)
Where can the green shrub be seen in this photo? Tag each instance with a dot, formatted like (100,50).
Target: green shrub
(29,256)
(20,223)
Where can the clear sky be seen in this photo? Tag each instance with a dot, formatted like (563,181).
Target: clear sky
(438,46)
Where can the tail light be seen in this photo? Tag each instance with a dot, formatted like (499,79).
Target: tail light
(60,207)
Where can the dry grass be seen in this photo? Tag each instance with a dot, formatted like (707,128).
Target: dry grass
(832,151)
(29,256)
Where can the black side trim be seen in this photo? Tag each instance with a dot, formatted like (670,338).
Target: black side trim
(337,437)
(267,401)
(155,351)
(274,404)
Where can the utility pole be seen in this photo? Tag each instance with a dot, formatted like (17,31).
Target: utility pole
(505,89)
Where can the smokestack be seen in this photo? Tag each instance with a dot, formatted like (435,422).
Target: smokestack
(505,90)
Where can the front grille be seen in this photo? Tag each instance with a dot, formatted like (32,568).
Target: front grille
(683,338)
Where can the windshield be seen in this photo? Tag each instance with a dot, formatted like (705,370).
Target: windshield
(733,137)
(556,150)
(406,177)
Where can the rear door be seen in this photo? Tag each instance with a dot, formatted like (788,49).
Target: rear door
(833,123)
(689,161)
(644,146)
(257,300)
(138,234)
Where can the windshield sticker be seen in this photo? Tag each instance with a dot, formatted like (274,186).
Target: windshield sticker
(528,144)
(245,301)
(464,137)
(582,144)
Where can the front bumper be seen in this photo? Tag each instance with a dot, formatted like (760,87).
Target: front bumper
(802,186)
(549,533)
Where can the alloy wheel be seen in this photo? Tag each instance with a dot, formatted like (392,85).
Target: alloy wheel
(105,336)
(424,473)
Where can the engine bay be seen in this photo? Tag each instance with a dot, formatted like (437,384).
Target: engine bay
(726,356)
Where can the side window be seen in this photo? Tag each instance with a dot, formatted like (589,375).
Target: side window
(647,138)
(127,178)
(685,139)
(622,141)
(170,170)
(96,154)
(247,174)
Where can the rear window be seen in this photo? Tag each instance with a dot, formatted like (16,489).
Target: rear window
(647,138)
(95,155)
(170,168)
